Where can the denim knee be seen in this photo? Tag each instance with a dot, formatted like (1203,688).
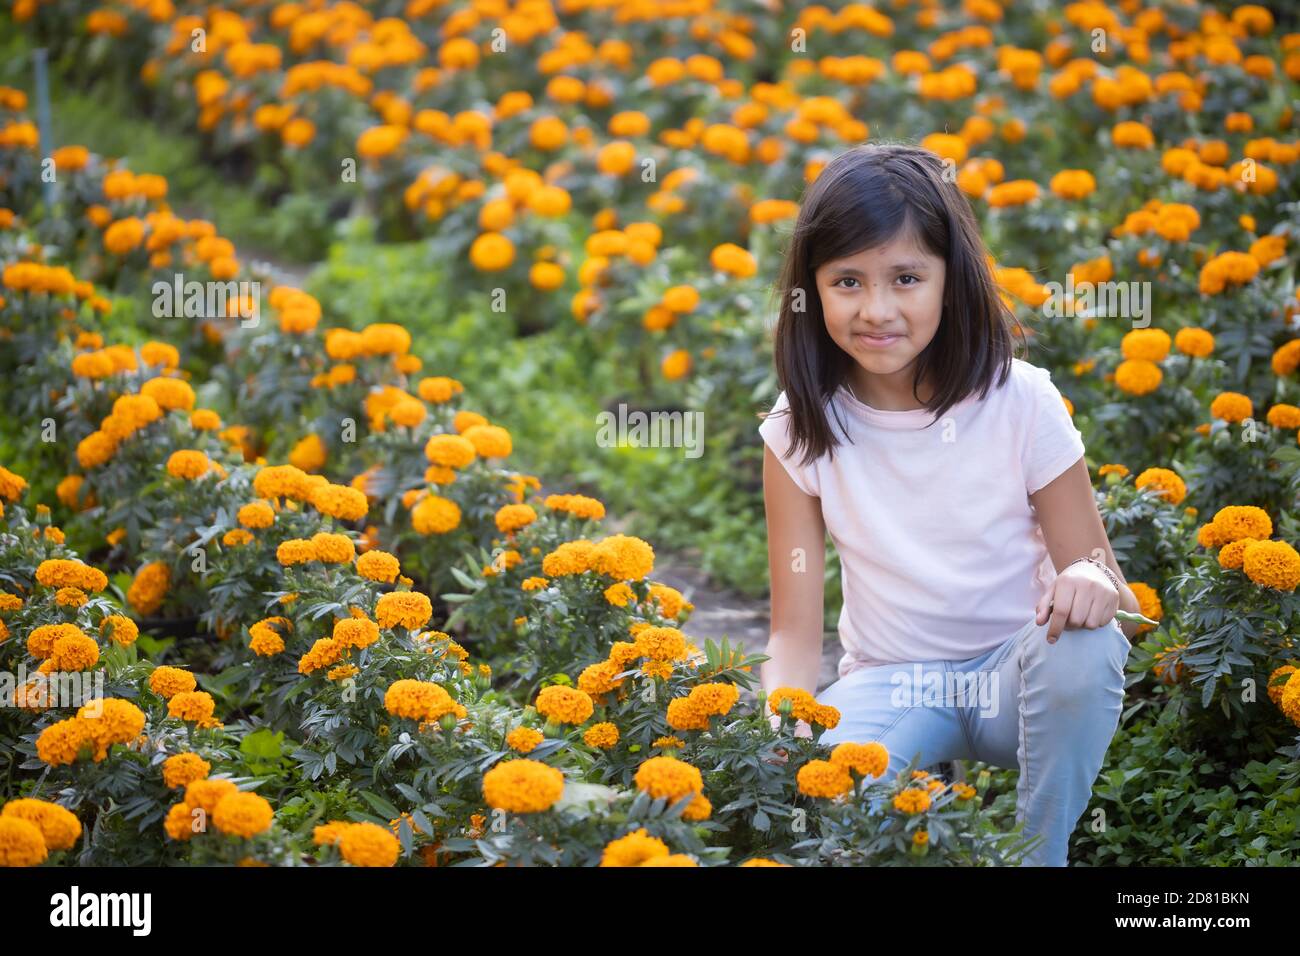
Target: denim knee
(1084,666)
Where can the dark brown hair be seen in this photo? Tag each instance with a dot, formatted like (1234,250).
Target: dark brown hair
(865,197)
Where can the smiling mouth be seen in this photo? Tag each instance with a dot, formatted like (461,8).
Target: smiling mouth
(870,339)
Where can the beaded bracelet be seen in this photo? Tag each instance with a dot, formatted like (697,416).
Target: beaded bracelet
(1108,572)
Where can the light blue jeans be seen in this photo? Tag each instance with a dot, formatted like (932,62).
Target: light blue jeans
(1049,709)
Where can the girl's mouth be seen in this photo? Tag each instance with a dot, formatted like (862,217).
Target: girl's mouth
(876,341)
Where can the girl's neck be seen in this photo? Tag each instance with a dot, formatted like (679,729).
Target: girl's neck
(888,393)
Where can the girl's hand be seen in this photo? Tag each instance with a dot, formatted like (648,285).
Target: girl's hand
(801,729)
(1080,597)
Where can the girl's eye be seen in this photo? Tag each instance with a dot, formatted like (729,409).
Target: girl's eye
(909,276)
(845,279)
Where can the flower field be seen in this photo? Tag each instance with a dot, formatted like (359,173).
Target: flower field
(306,578)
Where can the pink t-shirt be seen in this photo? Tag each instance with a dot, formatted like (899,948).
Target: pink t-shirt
(941,554)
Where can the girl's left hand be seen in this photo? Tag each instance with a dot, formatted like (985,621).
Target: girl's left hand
(1080,597)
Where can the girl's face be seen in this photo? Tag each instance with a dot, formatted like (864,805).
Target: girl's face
(882,307)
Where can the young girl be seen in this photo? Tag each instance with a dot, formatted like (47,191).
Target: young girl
(980,589)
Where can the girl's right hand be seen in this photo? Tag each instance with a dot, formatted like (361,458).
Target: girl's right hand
(801,729)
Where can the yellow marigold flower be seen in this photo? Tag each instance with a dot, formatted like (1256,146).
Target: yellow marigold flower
(179,823)
(64,573)
(408,609)
(571,557)
(1138,376)
(599,678)
(822,778)
(167,682)
(1231,407)
(514,517)
(188,465)
(342,672)
(1197,343)
(112,721)
(434,514)
(1290,699)
(308,453)
(41,640)
(68,740)
(169,393)
(205,420)
(256,514)
(533,584)
(1273,564)
(601,736)
(1234,522)
(340,501)
(295,551)
(180,770)
(667,743)
(149,587)
(564,705)
(1105,470)
(379,566)
(714,698)
(1232,553)
(685,714)
(243,815)
(803,704)
(1151,345)
(622,557)
(121,630)
(417,700)
(21,843)
(580,506)
(636,848)
(266,636)
(194,706)
(670,600)
(1284,416)
(59,827)
(72,652)
(661,643)
(524,739)
(1148,603)
(354,632)
(282,481)
(333,548)
(522,786)
(620,594)
(368,844)
(1073,184)
(1163,482)
(489,441)
(236,538)
(450,451)
(668,778)
(11,485)
(70,597)
(205,794)
(912,801)
(324,653)
(1277,682)
(868,760)
(439,389)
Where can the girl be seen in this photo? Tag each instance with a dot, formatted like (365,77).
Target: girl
(980,589)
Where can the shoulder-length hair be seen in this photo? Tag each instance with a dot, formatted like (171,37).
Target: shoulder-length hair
(864,197)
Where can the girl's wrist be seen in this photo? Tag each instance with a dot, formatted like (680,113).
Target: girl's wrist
(1110,575)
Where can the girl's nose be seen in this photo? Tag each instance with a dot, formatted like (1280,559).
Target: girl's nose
(875,303)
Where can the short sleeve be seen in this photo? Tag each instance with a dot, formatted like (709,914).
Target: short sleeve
(1052,443)
(776,432)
